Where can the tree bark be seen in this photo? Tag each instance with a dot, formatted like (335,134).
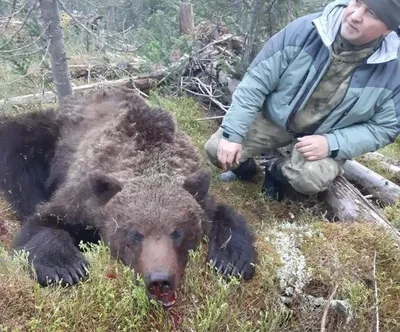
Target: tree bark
(381,188)
(349,204)
(59,64)
(186,19)
(250,49)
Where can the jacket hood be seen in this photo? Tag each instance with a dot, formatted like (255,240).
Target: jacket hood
(328,25)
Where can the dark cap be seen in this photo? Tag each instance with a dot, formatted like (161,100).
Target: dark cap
(388,11)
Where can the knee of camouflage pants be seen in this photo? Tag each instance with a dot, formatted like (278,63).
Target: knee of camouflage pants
(310,177)
(211,149)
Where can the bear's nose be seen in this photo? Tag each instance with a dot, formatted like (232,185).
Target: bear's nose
(159,283)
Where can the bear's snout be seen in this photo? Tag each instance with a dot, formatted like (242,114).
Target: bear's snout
(159,283)
(158,264)
(160,287)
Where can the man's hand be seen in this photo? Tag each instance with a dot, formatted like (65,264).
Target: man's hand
(228,152)
(313,147)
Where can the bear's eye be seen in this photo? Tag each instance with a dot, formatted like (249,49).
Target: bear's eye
(137,237)
(176,234)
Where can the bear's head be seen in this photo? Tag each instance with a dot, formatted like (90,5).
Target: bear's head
(150,223)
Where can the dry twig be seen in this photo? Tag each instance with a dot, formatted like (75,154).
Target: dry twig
(219,41)
(210,118)
(328,304)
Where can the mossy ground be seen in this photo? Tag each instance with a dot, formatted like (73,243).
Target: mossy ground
(336,254)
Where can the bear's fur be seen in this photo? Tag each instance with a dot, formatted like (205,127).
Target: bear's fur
(110,167)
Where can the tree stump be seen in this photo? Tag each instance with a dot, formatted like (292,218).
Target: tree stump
(186,18)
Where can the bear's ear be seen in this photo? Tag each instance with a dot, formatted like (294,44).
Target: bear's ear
(198,184)
(103,186)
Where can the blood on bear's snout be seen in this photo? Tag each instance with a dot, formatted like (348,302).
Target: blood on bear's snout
(158,264)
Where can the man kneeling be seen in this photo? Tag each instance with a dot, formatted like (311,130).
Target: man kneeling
(329,83)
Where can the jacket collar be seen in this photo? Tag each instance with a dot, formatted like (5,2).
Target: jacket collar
(328,25)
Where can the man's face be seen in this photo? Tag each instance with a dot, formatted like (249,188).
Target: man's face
(360,24)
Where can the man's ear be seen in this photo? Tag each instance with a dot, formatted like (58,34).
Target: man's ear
(198,184)
(103,186)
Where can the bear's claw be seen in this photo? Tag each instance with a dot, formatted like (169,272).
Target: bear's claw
(67,274)
(234,259)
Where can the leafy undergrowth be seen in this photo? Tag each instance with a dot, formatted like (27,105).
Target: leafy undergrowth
(332,255)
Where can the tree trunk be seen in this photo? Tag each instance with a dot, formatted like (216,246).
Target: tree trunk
(186,19)
(111,17)
(381,188)
(59,64)
(250,49)
(290,11)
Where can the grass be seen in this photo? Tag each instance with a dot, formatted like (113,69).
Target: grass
(334,254)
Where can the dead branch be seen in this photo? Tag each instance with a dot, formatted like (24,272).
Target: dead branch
(143,82)
(86,71)
(216,102)
(225,51)
(210,118)
(328,304)
(349,204)
(381,188)
(215,42)
(183,61)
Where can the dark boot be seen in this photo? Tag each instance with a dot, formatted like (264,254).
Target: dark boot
(245,172)
(274,182)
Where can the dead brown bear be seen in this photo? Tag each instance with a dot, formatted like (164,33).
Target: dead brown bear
(110,167)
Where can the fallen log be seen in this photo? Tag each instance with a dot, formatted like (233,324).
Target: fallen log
(379,187)
(349,204)
(143,83)
(106,70)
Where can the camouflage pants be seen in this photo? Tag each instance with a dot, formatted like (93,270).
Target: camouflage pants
(307,177)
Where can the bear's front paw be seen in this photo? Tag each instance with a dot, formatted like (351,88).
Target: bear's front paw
(64,270)
(232,253)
